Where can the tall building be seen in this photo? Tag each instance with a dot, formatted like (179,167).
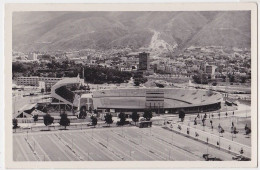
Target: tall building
(154,99)
(144,61)
(210,70)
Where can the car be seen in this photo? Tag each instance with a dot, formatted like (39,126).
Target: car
(240,158)
(118,123)
(209,157)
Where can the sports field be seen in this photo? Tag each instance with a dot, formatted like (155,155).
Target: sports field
(110,144)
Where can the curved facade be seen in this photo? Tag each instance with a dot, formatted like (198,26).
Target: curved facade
(60,92)
(159,100)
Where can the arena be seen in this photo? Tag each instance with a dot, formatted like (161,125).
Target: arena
(159,100)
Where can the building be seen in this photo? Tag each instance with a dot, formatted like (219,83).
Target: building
(28,81)
(32,56)
(210,70)
(154,99)
(36,81)
(144,61)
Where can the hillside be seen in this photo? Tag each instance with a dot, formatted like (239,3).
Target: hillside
(51,31)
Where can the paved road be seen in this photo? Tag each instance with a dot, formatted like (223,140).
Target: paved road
(111,144)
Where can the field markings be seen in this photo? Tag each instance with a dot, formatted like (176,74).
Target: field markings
(146,144)
(79,150)
(179,149)
(111,148)
(59,147)
(128,144)
(69,149)
(108,153)
(22,149)
(140,149)
(83,142)
(171,146)
(39,146)
(198,146)
(120,143)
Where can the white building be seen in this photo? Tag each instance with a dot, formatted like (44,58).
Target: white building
(32,56)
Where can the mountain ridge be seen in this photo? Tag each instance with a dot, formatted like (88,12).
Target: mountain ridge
(52,31)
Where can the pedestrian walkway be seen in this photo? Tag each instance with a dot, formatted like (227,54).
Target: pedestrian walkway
(213,138)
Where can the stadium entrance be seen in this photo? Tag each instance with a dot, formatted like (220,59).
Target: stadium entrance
(154,100)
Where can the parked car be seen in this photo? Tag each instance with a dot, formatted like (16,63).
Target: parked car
(240,158)
(209,157)
(118,123)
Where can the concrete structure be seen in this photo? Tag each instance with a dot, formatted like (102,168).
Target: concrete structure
(210,70)
(28,81)
(154,98)
(168,100)
(64,96)
(34,81)
(144,63)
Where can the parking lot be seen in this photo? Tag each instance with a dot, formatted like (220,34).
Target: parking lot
(110,144)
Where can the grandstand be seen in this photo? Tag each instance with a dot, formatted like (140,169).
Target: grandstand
(166,100)
(63,95)
(191,100)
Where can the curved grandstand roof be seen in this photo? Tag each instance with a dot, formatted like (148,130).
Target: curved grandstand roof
(136,98)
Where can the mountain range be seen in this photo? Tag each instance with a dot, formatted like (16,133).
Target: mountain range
(167,30)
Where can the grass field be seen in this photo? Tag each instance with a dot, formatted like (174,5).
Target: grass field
(110,144)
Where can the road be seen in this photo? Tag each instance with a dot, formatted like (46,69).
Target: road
(111,144)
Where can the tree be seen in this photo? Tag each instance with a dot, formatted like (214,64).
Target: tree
(243,79)
(182,115)
(136,83)
(35,118)
(200,78)
(15,123)
(231,77)
(90,109)
(108,119)
(148,114)
(122,117)
(64,120)
(94,121)
(247,129)
(135,116)
(48,119)
(82,113)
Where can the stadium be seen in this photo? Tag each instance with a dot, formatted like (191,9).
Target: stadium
(159,100)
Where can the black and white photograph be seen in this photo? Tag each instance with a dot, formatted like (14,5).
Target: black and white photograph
(132,86)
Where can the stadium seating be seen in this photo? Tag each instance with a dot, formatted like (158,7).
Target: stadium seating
(65,93)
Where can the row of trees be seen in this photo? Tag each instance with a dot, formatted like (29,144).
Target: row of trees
(203,78)
(65,121)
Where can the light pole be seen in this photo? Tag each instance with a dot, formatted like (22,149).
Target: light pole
(172,138)
(107,141)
